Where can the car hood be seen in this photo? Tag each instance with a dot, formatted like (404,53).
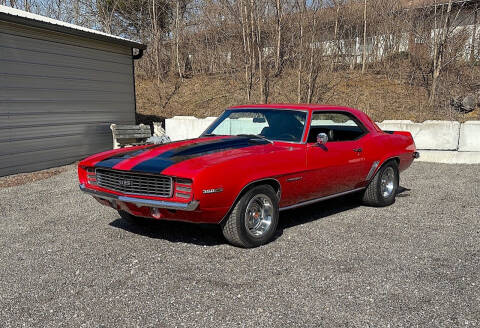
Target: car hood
(197,153)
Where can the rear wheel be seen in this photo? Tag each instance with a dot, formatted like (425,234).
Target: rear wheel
(254,218)
(383,188)
(132,218)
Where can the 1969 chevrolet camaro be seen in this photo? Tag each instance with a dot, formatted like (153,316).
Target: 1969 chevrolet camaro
(251,163)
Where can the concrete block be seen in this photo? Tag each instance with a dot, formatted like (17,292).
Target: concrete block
(186,127)
(469,136)
(398,121)
(449,157)
(429,135)
(185,117)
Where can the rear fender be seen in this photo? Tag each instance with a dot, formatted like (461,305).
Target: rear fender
(403,150)
(403,133)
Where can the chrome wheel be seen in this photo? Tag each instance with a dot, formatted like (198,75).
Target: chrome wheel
(258,215)
(387,182)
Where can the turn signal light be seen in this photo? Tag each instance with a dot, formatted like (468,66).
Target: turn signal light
(91,176)
(183,188)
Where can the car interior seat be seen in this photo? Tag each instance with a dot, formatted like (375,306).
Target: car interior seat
(331,135)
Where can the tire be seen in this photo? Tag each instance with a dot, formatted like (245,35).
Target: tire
(376,193)
(258,228)
(132,218)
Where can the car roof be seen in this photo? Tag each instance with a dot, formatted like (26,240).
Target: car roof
(308,107)
(369,124)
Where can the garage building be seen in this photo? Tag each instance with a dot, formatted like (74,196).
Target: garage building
(61,86)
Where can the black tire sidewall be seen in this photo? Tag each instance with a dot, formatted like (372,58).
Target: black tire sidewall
(250,240)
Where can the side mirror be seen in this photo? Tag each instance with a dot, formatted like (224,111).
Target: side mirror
(322,138)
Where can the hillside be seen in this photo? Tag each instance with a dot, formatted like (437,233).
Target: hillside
(378,95)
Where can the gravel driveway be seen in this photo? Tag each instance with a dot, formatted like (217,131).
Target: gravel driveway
(68,261)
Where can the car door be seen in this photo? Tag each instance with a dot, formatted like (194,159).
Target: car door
(340,164)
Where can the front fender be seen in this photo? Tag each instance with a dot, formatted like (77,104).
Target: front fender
(220,184)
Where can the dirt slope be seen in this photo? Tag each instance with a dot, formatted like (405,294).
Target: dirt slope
(382,98)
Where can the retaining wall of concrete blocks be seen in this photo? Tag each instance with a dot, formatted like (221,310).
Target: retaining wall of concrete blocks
(437,141)
(429,135)
(186,127)
(469,136)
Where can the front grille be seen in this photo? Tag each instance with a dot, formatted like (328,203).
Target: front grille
(135,183)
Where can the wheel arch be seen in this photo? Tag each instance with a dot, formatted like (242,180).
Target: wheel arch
(274,183)
(382,163)
(393,158)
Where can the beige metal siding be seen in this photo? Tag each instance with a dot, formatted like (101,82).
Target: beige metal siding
(58,96)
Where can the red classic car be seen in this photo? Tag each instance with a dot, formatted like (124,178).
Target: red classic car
(251,163)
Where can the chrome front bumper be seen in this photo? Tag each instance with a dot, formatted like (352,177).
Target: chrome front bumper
(191,206)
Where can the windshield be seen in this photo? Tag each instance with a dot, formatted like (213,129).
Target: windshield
(281,125)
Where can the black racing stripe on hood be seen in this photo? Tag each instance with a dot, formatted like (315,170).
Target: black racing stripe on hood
(117,158)
(183,153)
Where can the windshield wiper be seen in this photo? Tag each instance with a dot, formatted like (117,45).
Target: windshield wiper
(255,136)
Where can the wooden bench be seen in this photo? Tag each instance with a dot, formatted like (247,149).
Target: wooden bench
(129,135)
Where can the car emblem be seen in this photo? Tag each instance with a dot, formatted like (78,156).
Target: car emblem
(125,183)
(212,191)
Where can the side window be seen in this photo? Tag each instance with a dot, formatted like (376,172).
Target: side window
(337,126)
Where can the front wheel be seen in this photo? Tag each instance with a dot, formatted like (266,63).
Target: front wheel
(383,188)
(254,218)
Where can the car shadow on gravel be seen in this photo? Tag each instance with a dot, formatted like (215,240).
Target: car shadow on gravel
(403,192)
(323,209)
(211,234)
(175,232)
(316,211)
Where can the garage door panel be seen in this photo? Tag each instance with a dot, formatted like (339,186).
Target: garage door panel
(52,107)
(42,82)
(27,56)
(50,47)
(46,131)
(67,118)
(72,96)
(50,70)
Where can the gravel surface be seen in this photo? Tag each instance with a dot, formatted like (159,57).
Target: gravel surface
(68,261)
(23,178)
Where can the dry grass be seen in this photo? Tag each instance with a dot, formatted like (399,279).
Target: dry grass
(376,94)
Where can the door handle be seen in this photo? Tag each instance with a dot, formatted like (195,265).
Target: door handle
(357,150)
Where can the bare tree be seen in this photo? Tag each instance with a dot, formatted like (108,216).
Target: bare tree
(439,43)
(474,33)
(279,26)
(302,7)
(364,53)
(305,45)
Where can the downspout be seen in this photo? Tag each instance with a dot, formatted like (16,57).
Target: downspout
(134,57)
